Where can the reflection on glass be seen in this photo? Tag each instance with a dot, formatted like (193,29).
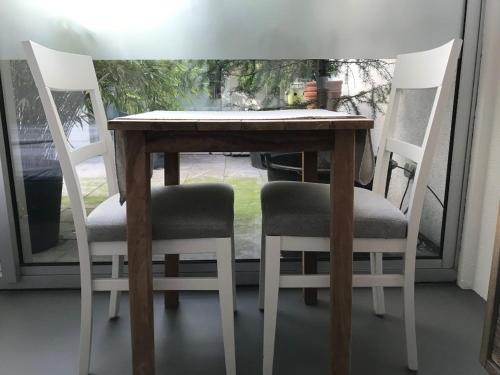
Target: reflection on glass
(38,174)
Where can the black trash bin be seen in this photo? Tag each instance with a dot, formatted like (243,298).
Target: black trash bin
(288,167)
(43,182)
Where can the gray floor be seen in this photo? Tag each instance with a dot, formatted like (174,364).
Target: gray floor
(39,334)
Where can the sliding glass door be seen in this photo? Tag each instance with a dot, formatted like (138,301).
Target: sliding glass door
(195,61)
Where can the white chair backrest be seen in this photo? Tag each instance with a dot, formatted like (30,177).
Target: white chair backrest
(59,71)
(435,68)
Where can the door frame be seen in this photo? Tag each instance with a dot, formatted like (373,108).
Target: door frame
(463,127)
(9,252)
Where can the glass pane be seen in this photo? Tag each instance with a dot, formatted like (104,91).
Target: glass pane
(37,174)
(413,115)
(46,225)
(133,86)
(92,177)
(77,119)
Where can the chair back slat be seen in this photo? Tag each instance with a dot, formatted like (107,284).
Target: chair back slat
(424,69)
(435,68)
(59,71)
(405,149)
(87,152)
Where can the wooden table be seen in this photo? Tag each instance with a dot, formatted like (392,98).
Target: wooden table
(264,131)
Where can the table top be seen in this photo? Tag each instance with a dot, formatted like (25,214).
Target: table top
(300,119)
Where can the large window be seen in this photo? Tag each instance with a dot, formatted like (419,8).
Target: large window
(132,86)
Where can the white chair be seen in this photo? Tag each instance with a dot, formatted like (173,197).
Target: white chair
(186,218)
(296,216)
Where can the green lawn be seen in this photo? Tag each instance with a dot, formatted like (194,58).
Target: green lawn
(246,194)
(247,191)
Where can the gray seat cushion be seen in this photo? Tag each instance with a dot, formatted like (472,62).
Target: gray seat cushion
(303,209)
(181,211)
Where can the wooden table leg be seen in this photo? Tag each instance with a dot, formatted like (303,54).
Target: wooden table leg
(140,253)
(341,232)
(309,262)
(172,177)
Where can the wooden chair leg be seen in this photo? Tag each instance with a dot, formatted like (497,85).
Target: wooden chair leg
(225,276)
(115,296)
(271,301)
(85,327)
(233,267)
(377,268)
(262,272)
(409,314)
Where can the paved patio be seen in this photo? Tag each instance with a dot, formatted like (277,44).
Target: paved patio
(234,170)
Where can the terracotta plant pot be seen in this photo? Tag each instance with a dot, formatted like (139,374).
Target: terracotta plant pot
(311,94)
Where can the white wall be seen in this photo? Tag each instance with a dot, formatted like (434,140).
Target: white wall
(484,180)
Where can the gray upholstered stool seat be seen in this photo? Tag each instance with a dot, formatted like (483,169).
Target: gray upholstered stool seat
(178,212)
(303,209)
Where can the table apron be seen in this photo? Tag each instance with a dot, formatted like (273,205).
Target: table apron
(227,141)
